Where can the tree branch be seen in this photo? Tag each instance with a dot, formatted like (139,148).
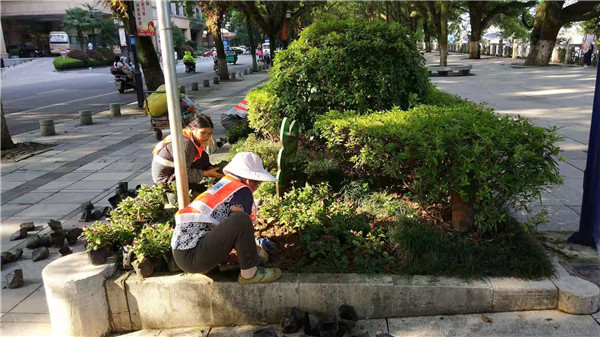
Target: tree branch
(580,11)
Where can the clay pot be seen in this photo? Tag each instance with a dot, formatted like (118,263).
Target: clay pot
(145,268)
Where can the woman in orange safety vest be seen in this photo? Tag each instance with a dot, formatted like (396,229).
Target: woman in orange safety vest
(220,220)
(197,135)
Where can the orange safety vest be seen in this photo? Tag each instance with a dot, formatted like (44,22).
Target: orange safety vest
(162,144)
(201,209)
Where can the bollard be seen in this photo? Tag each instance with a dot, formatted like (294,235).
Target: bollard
(115,109)
(232,76)
(47,127)
(195,86)
(182,89)
(245,71)
(206,83)
(239,74)
(85,117)
(250,71)
(216,80)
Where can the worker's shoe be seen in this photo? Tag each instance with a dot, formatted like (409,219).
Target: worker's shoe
(263,275)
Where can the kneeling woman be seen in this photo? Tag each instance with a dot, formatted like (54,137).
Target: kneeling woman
(219,220)
(197,135)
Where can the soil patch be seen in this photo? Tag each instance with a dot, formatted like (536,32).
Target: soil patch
(25,150)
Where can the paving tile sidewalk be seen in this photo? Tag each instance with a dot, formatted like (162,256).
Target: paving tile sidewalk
(85,164)
(548,323)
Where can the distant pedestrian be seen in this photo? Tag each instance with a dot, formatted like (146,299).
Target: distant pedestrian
(175,57)
(90,46)
(587,45)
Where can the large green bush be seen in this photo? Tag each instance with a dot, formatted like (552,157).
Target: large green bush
(61,63)
(106,53)
(348,65)
(496,162)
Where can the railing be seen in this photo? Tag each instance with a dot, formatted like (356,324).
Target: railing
(14,62)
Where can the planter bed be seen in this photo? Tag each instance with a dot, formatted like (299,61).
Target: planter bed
(75,288)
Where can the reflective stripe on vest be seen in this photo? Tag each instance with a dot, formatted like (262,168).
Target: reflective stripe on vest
(162,144)
(201,209)
(243,105)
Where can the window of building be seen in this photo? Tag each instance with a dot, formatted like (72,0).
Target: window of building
(177,10)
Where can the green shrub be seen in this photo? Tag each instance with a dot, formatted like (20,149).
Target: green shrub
(562,55)
(99,62)
(13,52)
(261,115)
(106,53)
(78,54)
(348,65)
(266,149)
(443,99)
(192,44)
(495,161)
(61,63)
(239,131)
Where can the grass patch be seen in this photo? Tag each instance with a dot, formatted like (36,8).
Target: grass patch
(424,250)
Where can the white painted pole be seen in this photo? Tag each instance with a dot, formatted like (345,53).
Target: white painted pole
(166,45)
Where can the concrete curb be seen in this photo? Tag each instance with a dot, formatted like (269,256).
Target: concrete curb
(575,295)
(126,302)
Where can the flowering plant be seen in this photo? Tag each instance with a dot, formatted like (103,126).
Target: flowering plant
(97,236)
(154,241)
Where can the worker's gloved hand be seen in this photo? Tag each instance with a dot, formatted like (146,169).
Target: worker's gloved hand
(265,244)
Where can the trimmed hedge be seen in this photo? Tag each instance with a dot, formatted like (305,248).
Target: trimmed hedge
(348,65)
(498,162)
(79,55)
(61,63)
(106,53)
(261,115)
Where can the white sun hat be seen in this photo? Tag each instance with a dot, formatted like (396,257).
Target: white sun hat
(249,166)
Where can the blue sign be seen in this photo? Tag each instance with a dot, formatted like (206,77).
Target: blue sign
(226,44)
(132,41)
(266,40)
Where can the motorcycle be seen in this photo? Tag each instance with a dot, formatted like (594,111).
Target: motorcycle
(190,67)
(122,81)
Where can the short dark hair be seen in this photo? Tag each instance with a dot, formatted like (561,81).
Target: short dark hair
(117,58)
(200,121)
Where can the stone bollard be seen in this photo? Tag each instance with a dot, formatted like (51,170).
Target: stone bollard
(245,71)
(232,76)
(195,86)
(85,117)
(239,74)
(206,83)
(47,127)
(115,109)
(250,71)
(216,80)
(182,89)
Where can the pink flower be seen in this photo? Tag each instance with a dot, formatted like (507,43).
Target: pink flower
(371,224)
(95,231)
(84,227)
(359,247)
(363,253)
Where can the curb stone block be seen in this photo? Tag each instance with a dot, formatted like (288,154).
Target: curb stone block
(512,294)
(255,303)
(369,294)
(117,303)
(75,292)
(169,301)
(575,295)
(427,295)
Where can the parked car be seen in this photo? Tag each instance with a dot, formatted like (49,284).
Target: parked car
(208,53)
(238,50)
(27,51)
(231,56)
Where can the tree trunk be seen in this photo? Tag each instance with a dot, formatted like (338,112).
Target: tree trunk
(427,34)
(153,74)
(443,37)
(475,20)
(80,37)
(252,43)
(273,43)
(545,30)
(221,59)
(6,141)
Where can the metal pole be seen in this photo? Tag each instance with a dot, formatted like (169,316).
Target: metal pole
(137,75)
(589,224)
(166,45)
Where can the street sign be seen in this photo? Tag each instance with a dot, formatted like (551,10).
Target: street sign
(122,37)
(226,44)
(63,52)
(144,18)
